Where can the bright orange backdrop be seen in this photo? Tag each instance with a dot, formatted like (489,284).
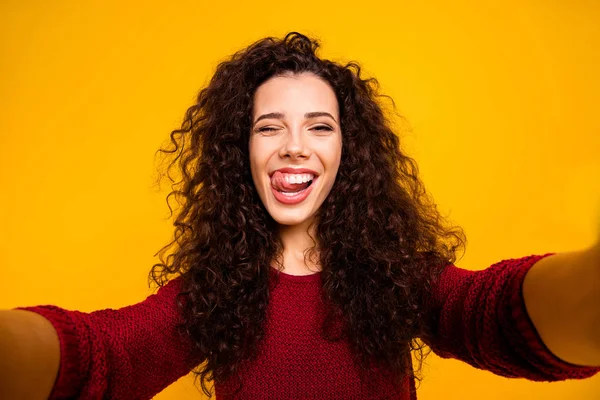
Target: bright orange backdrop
(502,98)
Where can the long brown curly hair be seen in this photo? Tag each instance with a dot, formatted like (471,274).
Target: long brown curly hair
(382,242)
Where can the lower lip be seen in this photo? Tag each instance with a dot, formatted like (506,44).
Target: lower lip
(295,199)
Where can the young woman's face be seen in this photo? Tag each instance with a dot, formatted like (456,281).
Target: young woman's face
(295,145)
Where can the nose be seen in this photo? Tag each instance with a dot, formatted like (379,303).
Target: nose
(294,145)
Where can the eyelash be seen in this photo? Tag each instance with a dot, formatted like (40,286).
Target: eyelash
(270,129)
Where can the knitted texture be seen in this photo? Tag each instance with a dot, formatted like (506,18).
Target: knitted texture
(130,353)
(134,352)
(480,318)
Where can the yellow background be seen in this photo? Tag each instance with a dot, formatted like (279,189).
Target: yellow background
(502,98)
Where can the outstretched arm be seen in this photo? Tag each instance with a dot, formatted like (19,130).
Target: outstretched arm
(562,297)
(130,353)
(480,317)
(30,348)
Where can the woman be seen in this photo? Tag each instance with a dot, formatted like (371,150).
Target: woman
(307,262)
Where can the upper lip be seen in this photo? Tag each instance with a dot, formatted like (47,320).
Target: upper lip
(289,170)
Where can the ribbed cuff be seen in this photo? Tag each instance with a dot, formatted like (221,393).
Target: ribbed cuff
(72,354)
(534,347)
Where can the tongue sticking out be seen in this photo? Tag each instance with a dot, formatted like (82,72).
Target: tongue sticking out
(278,183)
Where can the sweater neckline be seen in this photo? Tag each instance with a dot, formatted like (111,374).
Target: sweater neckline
(296,278)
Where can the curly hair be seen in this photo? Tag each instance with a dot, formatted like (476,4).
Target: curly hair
(382,242)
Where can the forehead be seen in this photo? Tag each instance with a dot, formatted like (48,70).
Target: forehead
(295,93)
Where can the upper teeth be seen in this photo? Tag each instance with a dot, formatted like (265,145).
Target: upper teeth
(298,178)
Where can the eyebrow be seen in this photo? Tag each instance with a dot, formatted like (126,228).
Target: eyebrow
(278,115)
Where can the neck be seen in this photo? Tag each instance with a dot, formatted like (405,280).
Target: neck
(296,240)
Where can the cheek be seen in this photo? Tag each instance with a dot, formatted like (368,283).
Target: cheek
(253,164)
(331,155)
(254,152)
(259,159)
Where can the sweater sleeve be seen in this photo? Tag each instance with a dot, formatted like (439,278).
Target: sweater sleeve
(129,353)
(479,317)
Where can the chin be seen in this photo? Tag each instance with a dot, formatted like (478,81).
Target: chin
(295,217)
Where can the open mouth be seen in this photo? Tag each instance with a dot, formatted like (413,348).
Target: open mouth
(292,188)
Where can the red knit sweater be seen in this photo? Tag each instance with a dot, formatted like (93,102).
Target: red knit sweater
(134,352)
